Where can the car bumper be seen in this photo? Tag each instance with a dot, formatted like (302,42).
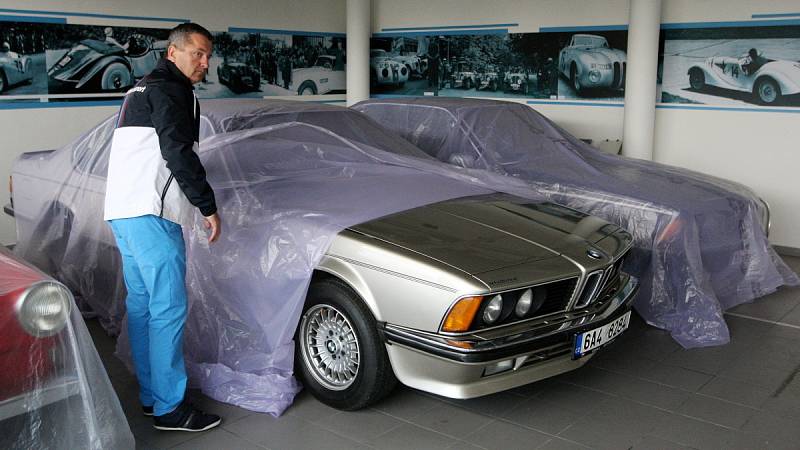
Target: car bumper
(54,391)
(467,367)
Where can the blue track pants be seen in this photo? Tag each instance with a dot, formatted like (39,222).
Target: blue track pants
(154,266)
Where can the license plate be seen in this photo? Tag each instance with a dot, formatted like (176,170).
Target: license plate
(590,340)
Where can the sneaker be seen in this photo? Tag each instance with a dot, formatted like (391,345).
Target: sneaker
(147,410)
(186,418)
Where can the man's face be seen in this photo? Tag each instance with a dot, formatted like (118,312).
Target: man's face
(192,59)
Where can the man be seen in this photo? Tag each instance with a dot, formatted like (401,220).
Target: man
(752,61)
(109,38)
(154,179)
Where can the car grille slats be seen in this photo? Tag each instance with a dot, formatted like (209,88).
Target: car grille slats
(558,296)
(599,283)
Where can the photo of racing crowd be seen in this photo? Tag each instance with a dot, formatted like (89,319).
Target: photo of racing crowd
(257,65)
(531,65)
(734,66)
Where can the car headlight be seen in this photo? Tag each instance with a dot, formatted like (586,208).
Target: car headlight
(524,303)
(493,309)
(594,76)
(44,308)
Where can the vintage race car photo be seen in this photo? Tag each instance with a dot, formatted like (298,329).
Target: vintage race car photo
(49,366)
(382,263)
(319,79)
(488,79)
(14,69)
(413,63)
(767,79)
(700,242)
(385,70)
(238,76)
(95,65)
(587,62)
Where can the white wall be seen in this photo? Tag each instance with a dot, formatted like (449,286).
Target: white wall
(25,130)
(758,149)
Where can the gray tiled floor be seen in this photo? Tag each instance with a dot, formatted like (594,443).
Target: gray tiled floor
(645,392)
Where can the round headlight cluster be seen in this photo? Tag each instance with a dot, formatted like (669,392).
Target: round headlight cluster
(493,310)
(594,76)
(44,308)
(524,303)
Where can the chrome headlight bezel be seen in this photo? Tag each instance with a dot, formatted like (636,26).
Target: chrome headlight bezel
(43,309)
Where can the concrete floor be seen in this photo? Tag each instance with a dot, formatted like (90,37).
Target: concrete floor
(644,392)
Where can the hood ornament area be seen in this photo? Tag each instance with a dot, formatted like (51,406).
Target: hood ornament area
(594,254)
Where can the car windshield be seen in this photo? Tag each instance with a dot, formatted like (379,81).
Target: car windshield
(377,53)
(348,125)
(591,41)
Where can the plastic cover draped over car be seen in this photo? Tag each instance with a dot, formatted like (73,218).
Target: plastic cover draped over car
(288,177)
(700,244)
(54,391)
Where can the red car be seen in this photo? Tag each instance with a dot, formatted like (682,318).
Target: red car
(54,392)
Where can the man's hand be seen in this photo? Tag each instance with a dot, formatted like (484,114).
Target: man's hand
(215,225)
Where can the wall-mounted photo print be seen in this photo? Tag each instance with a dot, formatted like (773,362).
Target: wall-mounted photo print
(258,65)
(530,65)
(743,66)
(92,59)
(22,59)
(591,65)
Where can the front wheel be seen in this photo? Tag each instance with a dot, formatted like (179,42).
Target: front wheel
(576,81)
(307,88)
(767,91)
(115,77)
(340,357)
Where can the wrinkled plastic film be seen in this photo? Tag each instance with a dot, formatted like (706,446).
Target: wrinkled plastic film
(288,176)
(54,391)
(700,244)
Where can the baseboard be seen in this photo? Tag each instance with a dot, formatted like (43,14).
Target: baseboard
(788,251)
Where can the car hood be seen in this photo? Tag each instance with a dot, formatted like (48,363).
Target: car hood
(611,54)
(480,234)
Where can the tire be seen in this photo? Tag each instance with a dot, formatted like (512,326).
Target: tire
(767,91)
(493,86)
(697,79)
(3,81)
(340,357)
(467,84)
(115,77)
(573,78)
(307,88)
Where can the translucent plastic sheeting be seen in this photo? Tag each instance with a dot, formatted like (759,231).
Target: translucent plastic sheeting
(288,176)
(54,391)
(700,242)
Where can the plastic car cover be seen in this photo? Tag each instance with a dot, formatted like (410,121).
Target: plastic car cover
(700,242)
(288,176)
(54,391)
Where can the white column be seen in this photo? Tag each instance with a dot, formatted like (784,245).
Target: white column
(359,29)
(640,83)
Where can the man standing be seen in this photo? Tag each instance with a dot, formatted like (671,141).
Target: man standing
(154,179)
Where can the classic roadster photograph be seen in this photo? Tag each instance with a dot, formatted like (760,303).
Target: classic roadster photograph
(99,66)
(589,63)
(700,242)
(239,76)
(768,80)
(350,258)
(321,78)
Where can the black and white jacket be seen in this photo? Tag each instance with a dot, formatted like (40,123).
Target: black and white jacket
(153,167)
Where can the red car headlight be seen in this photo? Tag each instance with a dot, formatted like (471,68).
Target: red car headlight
(44,308)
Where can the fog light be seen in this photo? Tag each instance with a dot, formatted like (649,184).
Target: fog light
(493,309)
(594,76)
(498,367)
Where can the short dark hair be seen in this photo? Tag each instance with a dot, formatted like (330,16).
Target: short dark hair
(179,35)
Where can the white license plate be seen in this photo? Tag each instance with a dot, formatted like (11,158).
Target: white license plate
(590,340)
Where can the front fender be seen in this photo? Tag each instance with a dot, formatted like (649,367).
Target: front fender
(785,73)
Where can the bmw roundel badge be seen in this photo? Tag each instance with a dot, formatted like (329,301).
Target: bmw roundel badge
(594,254)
